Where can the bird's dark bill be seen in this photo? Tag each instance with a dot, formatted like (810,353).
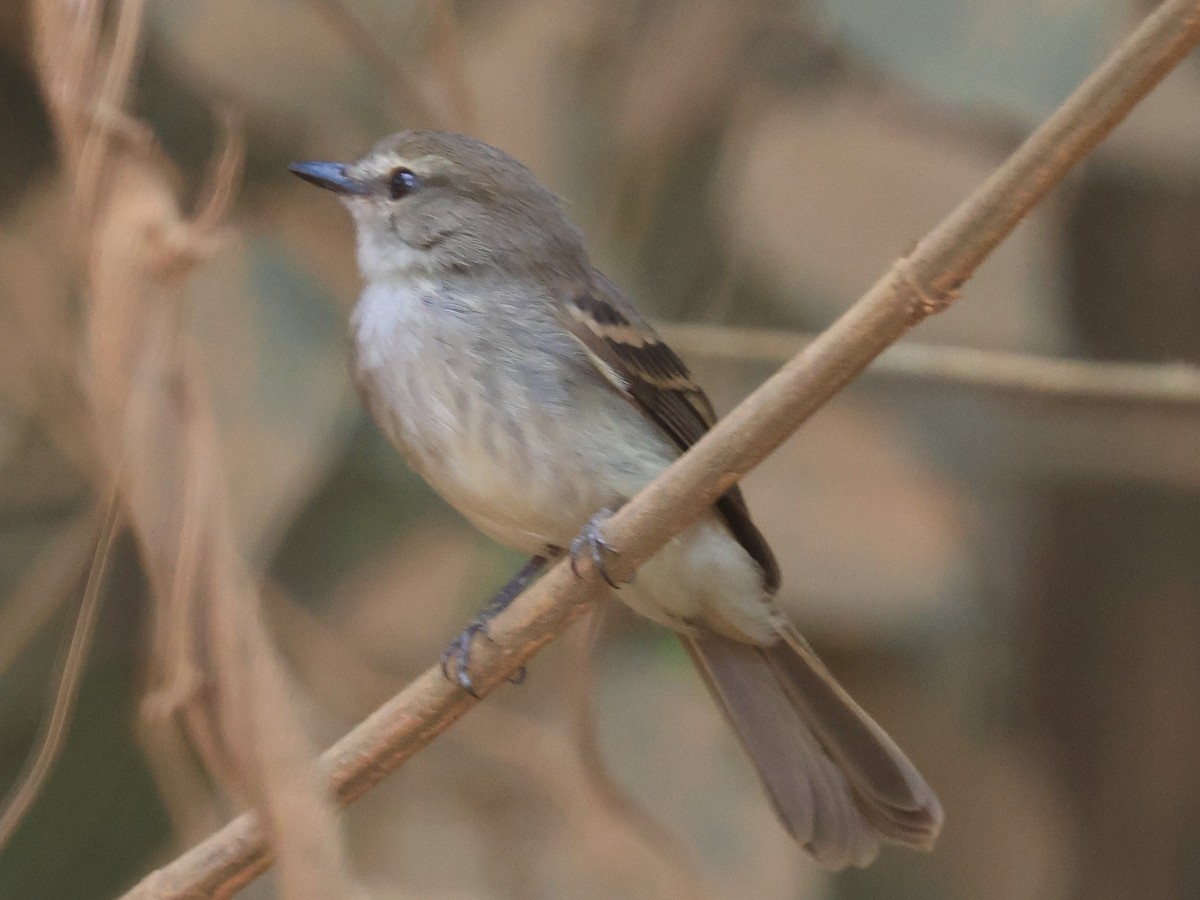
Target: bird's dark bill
(329,175)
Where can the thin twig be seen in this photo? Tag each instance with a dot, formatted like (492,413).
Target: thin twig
(446,54)
(401,81)
(544,755)
(603,787)
(109,99)
(919,285)
(46,585)
(42,760)
(1175,384)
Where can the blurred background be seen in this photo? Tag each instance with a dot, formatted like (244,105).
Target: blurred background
(1008,579)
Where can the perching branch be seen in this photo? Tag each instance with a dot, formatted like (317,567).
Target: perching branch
(922,283)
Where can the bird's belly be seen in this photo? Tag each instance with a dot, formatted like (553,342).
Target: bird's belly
(527,507)
(528,474)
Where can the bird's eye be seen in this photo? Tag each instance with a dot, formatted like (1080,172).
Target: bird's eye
(402,183)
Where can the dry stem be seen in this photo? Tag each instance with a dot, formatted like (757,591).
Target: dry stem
(156,437)
(612,798)
(22,797)
(1162,384)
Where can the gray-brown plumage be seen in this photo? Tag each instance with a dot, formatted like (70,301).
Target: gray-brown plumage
(531,394)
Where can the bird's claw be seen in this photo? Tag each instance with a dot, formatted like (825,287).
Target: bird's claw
(592,538)
(459,652)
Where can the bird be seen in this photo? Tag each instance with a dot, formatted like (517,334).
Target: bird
(529,391)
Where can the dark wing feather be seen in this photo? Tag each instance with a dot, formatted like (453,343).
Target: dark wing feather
(636,362)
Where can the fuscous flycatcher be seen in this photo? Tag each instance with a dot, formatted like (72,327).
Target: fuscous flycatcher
(531,394)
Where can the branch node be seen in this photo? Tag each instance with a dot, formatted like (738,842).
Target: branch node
(922,301)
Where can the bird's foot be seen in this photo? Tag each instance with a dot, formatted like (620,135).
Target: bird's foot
(459,654)
(591,539)
(459,651)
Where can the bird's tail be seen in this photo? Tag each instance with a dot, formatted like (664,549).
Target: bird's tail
(837,781)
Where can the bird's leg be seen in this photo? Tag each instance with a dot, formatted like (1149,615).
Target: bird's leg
(460,648)
(592,539)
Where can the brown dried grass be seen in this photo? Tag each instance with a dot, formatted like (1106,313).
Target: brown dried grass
(216,690)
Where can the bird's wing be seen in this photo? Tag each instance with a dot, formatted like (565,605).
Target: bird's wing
(637,363)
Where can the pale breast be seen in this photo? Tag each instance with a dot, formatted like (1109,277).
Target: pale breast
(504,418)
